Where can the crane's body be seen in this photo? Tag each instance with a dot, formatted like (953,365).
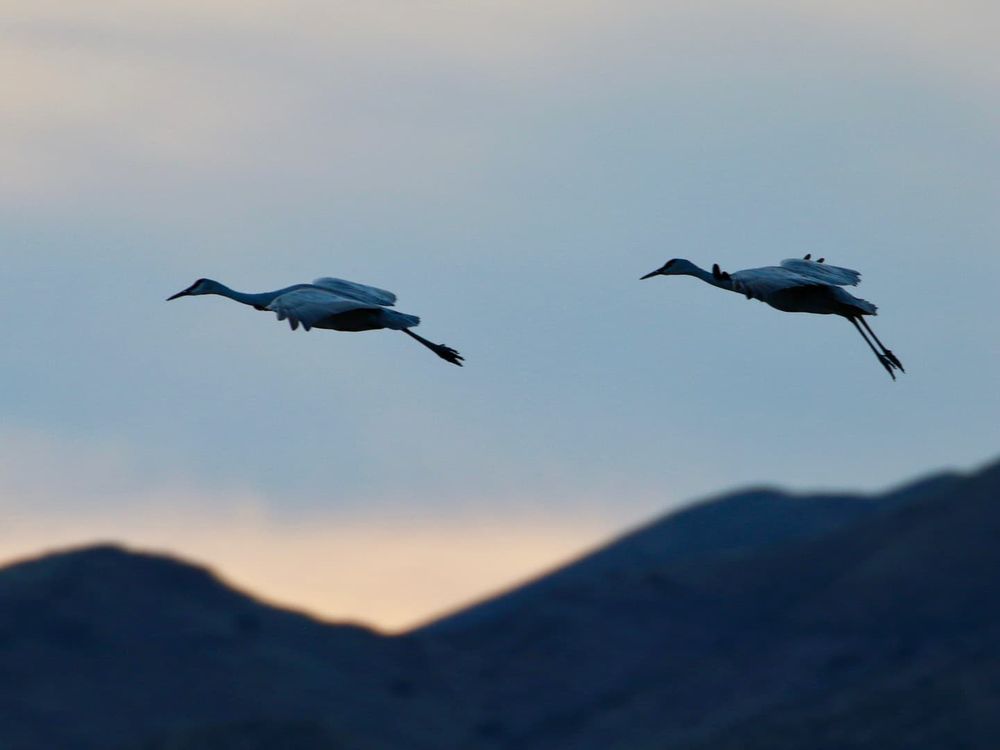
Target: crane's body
(333,304)
(797,285)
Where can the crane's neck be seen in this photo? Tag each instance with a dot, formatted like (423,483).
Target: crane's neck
(709,278)
(259,300)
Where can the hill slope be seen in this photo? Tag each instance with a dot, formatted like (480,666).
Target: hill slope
(728,526)
(101,647)
(757,620)
(827,608)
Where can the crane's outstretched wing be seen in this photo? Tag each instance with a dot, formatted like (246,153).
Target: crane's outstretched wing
(309,307)
(764,283)
(823,273)
(353,290)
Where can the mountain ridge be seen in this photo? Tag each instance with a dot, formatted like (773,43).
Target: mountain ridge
(818,512)
(753,620)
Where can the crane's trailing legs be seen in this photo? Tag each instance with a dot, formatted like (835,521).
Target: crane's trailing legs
(888,360)
(444,352)
(892,357)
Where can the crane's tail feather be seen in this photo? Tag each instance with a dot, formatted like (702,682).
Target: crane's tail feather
(398,321)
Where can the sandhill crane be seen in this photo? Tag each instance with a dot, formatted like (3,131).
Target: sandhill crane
(330,303)
(797,285)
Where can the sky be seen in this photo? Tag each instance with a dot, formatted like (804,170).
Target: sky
(510,170)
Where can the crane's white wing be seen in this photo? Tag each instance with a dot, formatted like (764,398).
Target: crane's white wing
(823,273)
(309,307)
(353,290)
(761,283)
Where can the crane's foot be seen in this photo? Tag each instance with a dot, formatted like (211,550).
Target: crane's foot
(888,365)
(895,361)
(447,354)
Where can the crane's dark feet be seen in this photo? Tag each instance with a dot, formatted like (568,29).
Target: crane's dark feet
(448,354)
(895,361)
(888,365)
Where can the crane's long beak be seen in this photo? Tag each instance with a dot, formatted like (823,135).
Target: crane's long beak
(182,293)
(650,275)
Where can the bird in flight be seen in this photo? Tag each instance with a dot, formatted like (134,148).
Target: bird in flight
(330,303)
(797,285)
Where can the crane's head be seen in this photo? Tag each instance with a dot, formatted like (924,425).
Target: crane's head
(201,286)
(675,267)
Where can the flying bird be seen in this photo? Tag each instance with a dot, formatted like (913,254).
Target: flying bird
(797,285)
(330,303)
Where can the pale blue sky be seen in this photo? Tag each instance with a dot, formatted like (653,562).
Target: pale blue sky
(510,170)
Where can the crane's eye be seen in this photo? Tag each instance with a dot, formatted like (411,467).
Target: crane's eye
(669,263)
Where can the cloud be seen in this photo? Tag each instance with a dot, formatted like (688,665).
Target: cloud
(46,474)
(353,100)
(951,42)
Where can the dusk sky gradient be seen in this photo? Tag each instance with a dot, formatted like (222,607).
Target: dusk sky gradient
(509,170)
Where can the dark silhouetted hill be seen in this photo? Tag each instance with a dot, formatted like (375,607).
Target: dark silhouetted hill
(756,620)
(101,647)
(788,615)
(728,526)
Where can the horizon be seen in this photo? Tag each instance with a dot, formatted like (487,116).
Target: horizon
(281,589)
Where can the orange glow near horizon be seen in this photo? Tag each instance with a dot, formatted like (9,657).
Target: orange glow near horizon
(390,576)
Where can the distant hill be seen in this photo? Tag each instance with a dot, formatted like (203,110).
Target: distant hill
(101,648)
(756,620)
(728,526)
(788,617)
